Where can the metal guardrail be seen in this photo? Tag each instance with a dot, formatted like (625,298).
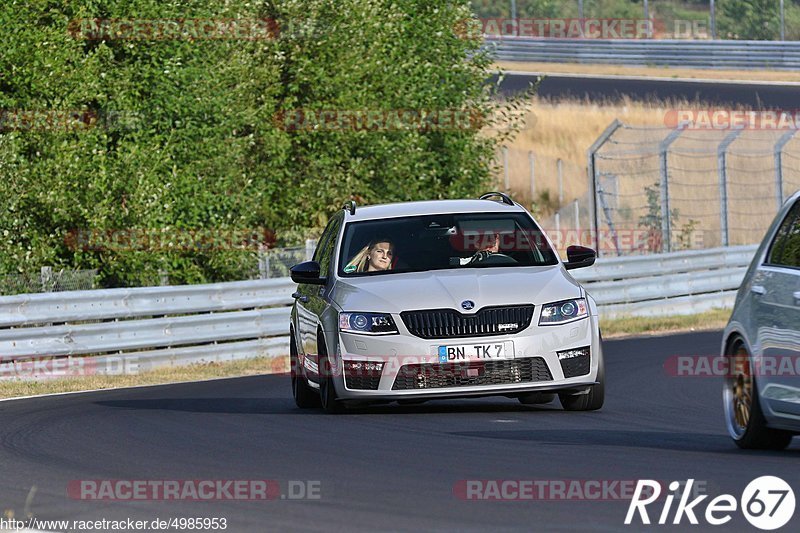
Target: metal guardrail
(667,284)
(642,52)
(157,325)
(162,326)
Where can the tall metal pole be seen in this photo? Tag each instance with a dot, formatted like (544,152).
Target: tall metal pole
(666,223)
(722,168)
(783,24)
(647,18)
(580,9)
(591,170)
(785,138)
(514,16)
(713,13)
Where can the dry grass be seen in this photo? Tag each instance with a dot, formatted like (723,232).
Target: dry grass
(247,367)
(630,326)
(566,130)
(651,72)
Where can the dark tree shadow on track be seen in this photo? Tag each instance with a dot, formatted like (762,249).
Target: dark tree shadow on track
(661,440)
(286,406)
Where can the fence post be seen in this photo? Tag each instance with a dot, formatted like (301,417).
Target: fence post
(722,157)
(47,279)
(779,146)
(311,245)
(531,161)
(591,169)
(666,223)
(577,217)
(713,17)
(560,170)
(505,169)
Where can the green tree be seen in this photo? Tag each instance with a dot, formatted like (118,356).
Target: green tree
(749,19)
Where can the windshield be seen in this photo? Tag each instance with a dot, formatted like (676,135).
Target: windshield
(436,242)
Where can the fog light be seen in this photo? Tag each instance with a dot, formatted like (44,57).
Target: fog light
(571,354)
(363,366)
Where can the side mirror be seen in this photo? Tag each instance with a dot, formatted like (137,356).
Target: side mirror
(579,257)
(307,273)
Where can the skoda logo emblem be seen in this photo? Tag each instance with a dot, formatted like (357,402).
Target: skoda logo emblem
(467,305)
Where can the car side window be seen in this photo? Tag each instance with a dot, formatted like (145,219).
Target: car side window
(785,248)
(324,251)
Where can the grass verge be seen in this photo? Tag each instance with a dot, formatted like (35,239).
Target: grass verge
(12,388)
(650,72)
(630,326)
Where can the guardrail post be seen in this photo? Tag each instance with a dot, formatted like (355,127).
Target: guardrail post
(779,146)
(594,220)
(666,223)
(722,156)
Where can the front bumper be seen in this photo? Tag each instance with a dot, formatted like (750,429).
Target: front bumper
(405,355)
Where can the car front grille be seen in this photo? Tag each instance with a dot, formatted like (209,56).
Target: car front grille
(449,323)
(444,375)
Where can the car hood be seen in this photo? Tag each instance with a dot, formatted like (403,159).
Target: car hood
(395,293)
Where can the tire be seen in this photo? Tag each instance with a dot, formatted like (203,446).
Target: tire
(304,396)
(591,401)
(744,418)
(536,398)
(327,392)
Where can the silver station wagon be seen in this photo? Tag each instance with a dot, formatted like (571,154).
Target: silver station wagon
(417,301)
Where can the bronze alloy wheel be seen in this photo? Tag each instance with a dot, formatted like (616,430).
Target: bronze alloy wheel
(744,417)
(742,388)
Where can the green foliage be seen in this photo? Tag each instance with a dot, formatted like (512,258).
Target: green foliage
(186,135)
(749,19)
(652,220)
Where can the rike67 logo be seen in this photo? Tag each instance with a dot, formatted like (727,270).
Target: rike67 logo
(767,503)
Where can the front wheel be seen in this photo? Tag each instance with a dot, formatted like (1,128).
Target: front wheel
(304,396)
(327,392)
(590,401)
(743,415)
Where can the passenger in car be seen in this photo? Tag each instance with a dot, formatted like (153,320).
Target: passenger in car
(377,255)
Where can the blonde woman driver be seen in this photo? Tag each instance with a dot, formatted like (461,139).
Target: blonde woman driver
(376,256)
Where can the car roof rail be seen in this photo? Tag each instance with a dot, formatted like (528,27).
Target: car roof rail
(506,198)
(350,206)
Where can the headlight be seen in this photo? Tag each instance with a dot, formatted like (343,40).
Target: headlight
(563,312)
(367,323)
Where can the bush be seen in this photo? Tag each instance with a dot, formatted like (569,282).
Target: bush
(181,135)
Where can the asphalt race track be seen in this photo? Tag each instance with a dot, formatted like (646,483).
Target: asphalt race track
(751,95)
(391,467)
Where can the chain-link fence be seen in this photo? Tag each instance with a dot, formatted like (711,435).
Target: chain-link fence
(276,263)
(662,189)
(48,280)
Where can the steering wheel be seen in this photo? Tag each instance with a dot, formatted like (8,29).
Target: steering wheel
(494,259)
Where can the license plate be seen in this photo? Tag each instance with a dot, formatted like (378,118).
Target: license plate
(475,352)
